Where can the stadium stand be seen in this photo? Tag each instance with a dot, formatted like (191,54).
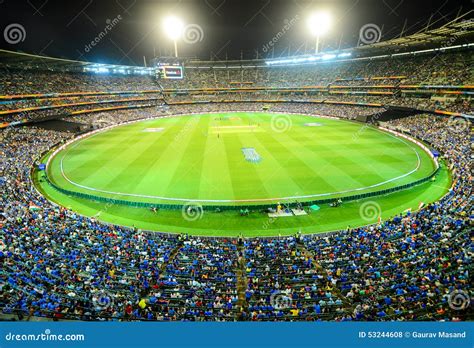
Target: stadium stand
(429,81)
(60,265)
(401,269)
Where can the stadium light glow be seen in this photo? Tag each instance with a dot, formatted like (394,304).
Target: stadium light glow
(319,24)
(303,60)
(173,27)
(342,55)
(328,56)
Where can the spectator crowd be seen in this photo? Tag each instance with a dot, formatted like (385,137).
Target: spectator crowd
(58,264)
(386,81)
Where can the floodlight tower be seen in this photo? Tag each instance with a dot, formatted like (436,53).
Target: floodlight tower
(173,27)
(318,24)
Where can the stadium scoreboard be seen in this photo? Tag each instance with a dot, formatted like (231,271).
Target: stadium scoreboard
(169,72)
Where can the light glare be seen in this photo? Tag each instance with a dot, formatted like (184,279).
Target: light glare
(319,23)
(173,27)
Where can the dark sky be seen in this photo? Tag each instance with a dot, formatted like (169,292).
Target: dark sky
(229,27)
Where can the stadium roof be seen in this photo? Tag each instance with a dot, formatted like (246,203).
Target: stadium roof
(458,31)
(20,60)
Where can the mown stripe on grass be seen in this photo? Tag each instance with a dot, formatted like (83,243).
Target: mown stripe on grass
(135,174)
(183,181)
(89,155)
(274,173)
(216,179)
(311,155)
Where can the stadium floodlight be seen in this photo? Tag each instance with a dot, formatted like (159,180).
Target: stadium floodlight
(173,27)
(319,24)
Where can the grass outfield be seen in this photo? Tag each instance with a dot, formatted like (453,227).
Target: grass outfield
(334,155)
(237,158)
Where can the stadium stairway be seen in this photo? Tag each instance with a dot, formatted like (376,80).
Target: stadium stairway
(241,278)
(348,306)
(173,254)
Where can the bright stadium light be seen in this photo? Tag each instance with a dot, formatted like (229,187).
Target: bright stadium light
(173,27)
(319,24)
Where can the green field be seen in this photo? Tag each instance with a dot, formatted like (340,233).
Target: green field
(200,158)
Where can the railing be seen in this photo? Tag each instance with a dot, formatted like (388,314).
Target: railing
(136,204)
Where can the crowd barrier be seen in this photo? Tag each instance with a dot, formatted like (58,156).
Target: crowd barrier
(215,207)
(56,106)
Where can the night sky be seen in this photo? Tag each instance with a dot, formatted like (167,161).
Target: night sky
(224,28)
